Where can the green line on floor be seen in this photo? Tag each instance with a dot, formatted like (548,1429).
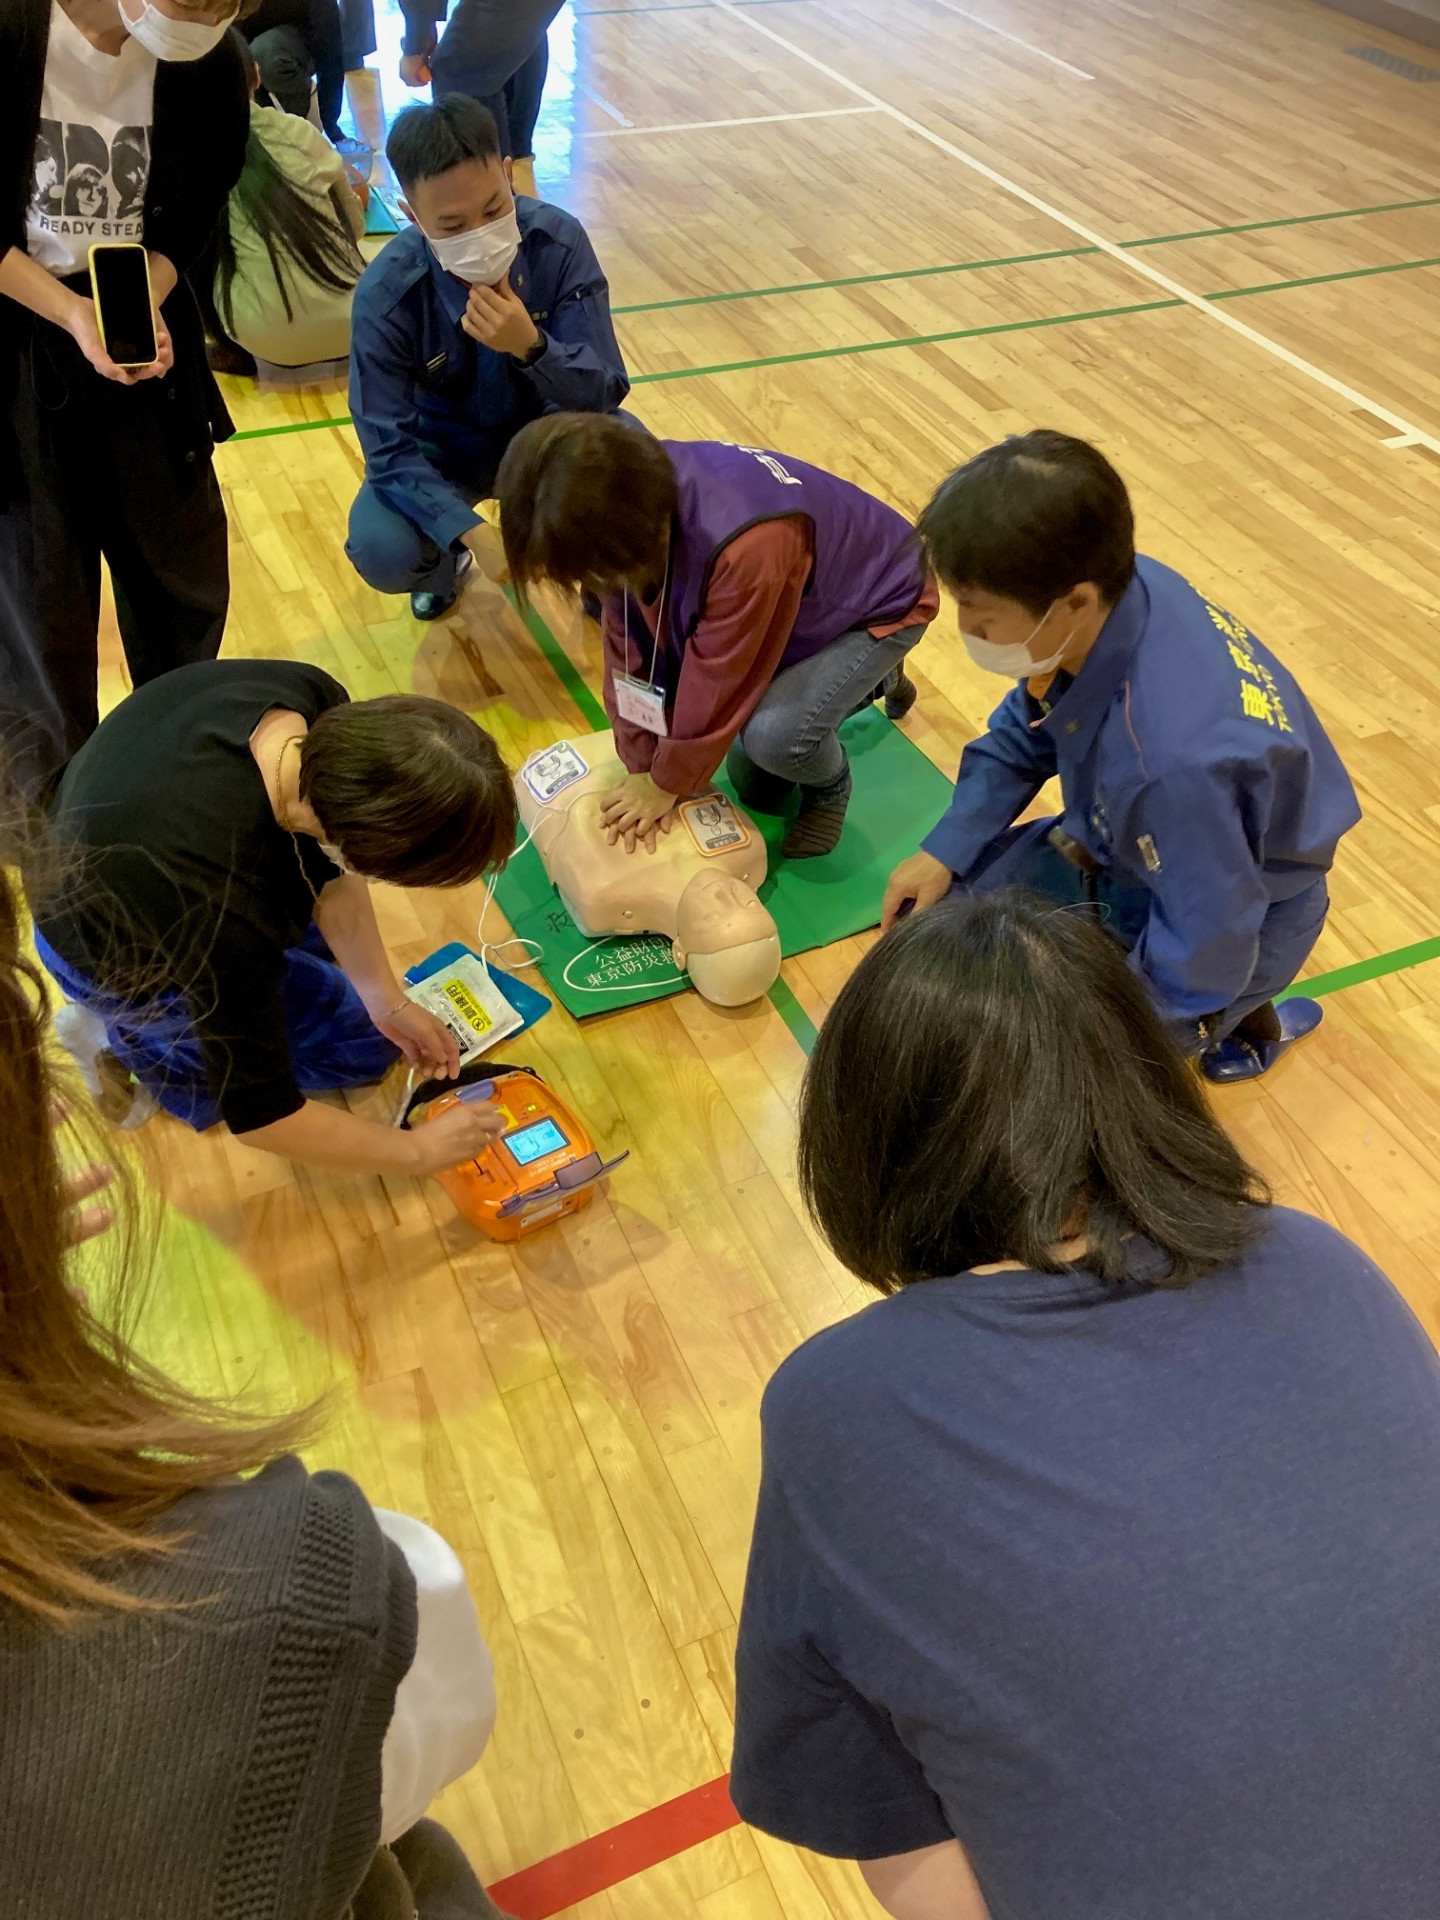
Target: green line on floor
(591,711)
(925,339)
(1359,971)
(1319,279)
(1015,259)
(855,280)
(794,1015)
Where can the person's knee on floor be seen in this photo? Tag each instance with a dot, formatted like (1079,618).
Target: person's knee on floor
(388,551)
(723,571)
(1194,773)
(517,292)
(785,765)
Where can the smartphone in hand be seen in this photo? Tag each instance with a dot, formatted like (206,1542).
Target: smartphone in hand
(124,302)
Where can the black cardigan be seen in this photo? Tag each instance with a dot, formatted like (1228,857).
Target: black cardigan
(197,149)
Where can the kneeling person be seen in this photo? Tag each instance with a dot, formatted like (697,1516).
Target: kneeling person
(216,829)
(752,603)
(1203,799)
(489,312)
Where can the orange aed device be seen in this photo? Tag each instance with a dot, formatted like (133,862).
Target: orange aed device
(543,1166)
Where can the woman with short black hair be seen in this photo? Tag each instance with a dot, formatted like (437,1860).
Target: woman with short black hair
(214,919)
(1096,1570)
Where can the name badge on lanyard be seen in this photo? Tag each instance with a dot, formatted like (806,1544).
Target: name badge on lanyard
(641,702)
(641,705)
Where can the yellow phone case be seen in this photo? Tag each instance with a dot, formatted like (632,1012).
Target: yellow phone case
(115,246)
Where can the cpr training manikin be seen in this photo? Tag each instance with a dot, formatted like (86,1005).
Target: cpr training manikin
(699,887)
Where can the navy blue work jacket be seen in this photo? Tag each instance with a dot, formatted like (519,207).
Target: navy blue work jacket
(434,409)
(1191,766)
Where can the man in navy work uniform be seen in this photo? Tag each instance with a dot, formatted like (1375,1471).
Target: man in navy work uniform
(490,311)
(1203,800)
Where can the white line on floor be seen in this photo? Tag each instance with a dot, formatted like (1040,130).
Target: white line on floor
(699,126)
(604,105)
(1406,429)
(1014,39)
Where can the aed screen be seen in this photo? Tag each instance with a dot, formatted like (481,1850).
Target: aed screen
(529,1143)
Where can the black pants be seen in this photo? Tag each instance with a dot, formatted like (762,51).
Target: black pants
(123,472)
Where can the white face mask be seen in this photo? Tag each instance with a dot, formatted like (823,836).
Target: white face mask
(171,39)
(1014,661)
(482,256)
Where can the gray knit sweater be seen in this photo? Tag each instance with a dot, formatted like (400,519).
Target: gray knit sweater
(221,1762)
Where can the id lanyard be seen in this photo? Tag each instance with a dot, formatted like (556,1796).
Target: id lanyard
(642,702)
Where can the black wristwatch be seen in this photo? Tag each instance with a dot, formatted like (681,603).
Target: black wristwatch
(529,359)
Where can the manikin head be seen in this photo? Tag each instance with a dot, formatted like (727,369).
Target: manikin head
(725,940)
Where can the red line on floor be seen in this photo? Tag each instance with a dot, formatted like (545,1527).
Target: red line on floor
(607,1858)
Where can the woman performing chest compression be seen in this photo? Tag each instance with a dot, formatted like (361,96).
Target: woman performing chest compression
(213,922)
(752,603)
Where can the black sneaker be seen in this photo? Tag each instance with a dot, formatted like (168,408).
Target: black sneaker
(817,827)
(756,790)
(434,606)
(901,693)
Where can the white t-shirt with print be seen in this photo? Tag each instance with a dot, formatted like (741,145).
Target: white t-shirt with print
(92,153)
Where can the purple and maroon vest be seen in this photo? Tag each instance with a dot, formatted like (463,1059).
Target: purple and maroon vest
(869,569)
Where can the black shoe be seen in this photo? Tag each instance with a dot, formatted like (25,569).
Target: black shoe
(434,606)
(901,693)
(817,827)
(756,790)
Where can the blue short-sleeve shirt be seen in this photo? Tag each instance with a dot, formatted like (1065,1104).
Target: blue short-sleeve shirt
(1135,1592)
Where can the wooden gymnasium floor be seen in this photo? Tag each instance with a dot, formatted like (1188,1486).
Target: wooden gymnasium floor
(881,234)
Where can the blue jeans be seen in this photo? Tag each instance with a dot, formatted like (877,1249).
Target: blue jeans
(793,733)
(1023,857)
(333,1041)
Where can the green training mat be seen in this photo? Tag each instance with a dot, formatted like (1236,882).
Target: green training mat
(898,796)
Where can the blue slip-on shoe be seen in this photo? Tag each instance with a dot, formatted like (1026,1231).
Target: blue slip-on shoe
(1238,1059)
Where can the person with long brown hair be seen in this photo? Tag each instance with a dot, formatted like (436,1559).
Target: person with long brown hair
(219,1668)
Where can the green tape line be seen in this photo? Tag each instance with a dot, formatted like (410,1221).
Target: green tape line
(294,426)
(1319,279)
(923,339)
(855,280)
(1288,220)
(1017,259)
(566,671)
(794,1016)
(1359,971)
(908,340)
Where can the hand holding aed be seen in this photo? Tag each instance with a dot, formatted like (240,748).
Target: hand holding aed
(452,1138)
(498,318)
(415,69)
(918,882)
(425,1041)
(636,811)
